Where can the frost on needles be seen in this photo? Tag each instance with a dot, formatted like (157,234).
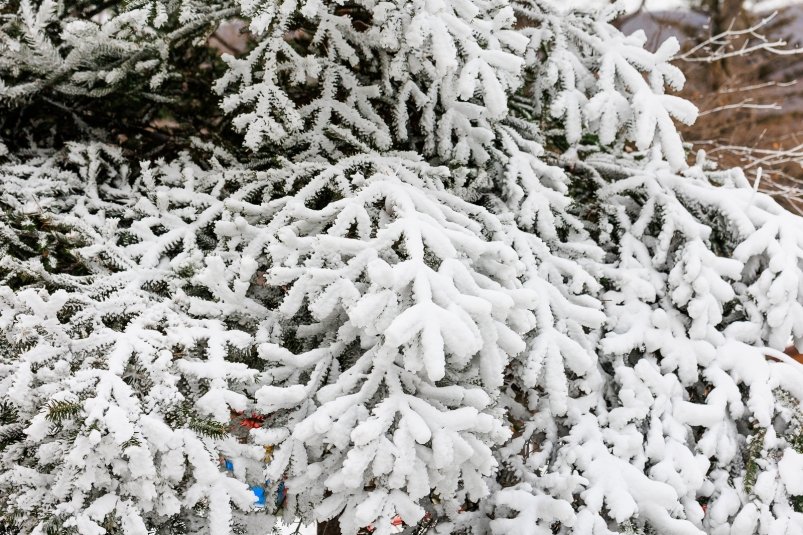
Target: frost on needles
(440,263)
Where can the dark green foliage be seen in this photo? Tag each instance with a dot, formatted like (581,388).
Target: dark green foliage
(209,428)
(11,429)
(33,240)
(60,411)
(755,445)
(143,122)
(8,413)
(795,437)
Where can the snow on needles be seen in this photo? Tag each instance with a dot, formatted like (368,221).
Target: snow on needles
(438,265)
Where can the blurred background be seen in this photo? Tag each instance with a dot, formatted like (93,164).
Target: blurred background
(743,61)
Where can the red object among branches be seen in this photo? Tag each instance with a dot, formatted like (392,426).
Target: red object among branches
(254,421)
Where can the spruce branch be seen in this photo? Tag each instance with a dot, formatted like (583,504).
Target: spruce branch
(60,411)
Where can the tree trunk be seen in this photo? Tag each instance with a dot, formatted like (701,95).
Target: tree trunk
(725,15)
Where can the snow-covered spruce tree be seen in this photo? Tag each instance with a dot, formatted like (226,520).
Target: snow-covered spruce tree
(420,266)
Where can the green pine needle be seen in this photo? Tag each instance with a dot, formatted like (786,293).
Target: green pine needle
(209,428)
(59,411)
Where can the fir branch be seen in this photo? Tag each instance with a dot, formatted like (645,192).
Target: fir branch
(755,447)
(60,411)
(209,428)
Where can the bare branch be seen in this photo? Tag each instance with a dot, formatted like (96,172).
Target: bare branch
(745,104)
(722,40)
